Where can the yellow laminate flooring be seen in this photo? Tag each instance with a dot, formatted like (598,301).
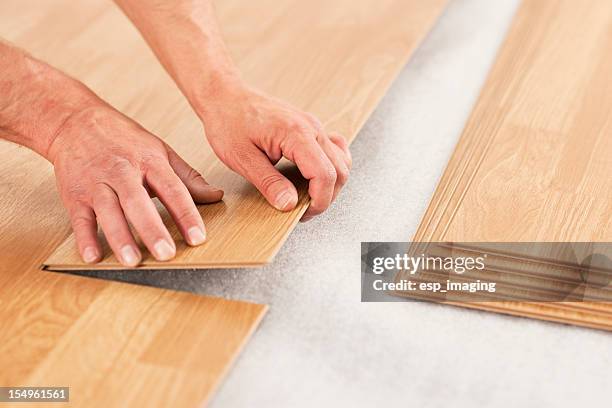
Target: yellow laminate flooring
(534,161)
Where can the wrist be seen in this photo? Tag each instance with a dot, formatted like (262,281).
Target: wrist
(68,112)
(39,100)
(217,90)
(63,135)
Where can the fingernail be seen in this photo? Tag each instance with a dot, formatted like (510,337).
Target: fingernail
(90,255)
(163,250)
(283,200)
(129,255)
(196,235)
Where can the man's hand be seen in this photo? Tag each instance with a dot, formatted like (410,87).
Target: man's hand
(250,132)
(108,168)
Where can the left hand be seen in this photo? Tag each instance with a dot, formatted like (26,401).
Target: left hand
(251,131)
(107,168)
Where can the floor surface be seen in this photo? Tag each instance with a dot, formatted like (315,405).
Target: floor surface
(320,345)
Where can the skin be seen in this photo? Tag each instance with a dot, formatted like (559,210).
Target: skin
(248,130)
(108,167)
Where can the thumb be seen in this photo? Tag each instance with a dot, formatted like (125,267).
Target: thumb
(200,190)
(256,167)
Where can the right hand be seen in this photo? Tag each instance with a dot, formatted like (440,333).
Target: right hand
(250,132)
(107,168)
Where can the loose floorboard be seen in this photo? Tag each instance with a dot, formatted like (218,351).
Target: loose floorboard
(534,161)
(335,59)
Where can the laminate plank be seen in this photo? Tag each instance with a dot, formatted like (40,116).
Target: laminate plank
(160,348)
(546,142)
(518,279)
(533,162)
(334,59)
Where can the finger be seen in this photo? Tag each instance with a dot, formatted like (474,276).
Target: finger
(316,167)
(85,229)
(255,166)
(341,142)
(176,198)
(112,220)
(142,214)
(314,121)
(200,190)
(336,156)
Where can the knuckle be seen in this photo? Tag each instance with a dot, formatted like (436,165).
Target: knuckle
(164,185)
(299,127)
(118,171)
(184,215)
(269,182)
(342,175)
(155,156)
(329,175)
(174,190)
(320,138)
(80,221)
(133,196)
(193,175)
(119,167)
(131,201)
(74,196)
(74,191)
(292,125)
(169,186)
(349,163)
(338,138)
(103,200)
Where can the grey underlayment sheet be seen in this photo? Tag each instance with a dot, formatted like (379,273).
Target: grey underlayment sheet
(319,345)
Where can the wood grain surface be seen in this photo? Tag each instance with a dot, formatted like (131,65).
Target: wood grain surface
(335,59)
(534,161)
(113,344)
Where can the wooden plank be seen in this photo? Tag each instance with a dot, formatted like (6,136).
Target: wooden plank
(113,344)
(123,345)
(533,162)
(334,59)
(515,278)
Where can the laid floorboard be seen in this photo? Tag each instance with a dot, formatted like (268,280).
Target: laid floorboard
(113,344)
(533,163)
(335,59)
(116,344)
